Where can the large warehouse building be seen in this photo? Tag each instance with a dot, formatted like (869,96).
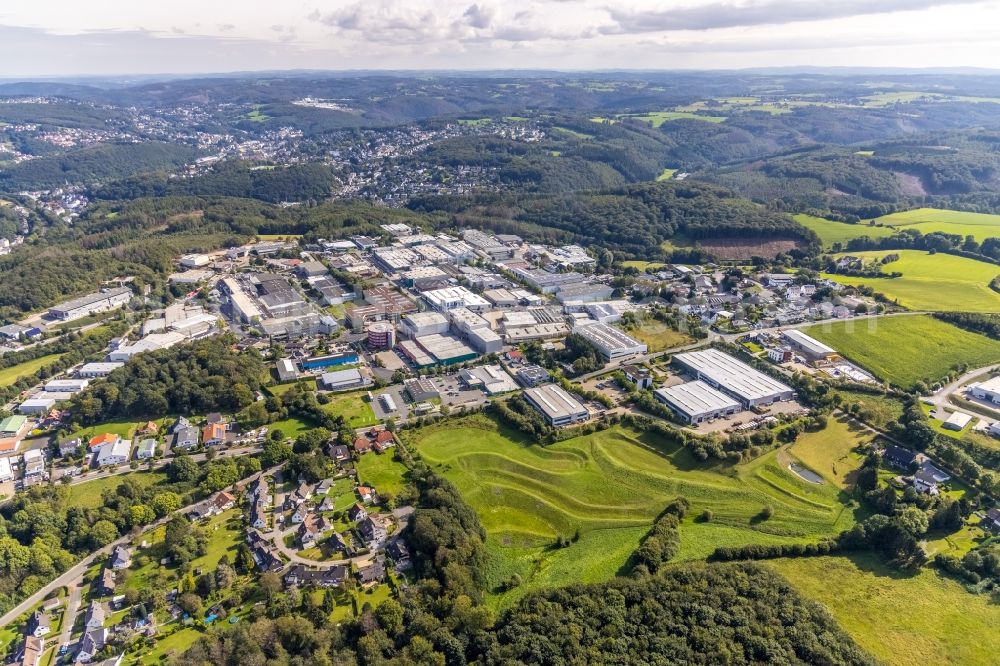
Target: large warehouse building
(810,347)
(610,342)
(696,401)
(733,377)
(102,301)
(556,405)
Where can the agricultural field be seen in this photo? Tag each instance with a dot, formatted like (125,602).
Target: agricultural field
(876,410)
(834,453)
(937,282)
(903,619)
(10,375)
(657,118)
(609,487)
(927,220)
(642,265)
(353,407)
(907,349)
(830,231)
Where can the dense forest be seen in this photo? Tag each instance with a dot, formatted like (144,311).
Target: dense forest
(98,163)
(203,376)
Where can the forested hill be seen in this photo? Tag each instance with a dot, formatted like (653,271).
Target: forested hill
(636,219)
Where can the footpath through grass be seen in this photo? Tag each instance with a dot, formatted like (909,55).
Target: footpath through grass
(908,349)
(609,486)
(903,619)
(938,282)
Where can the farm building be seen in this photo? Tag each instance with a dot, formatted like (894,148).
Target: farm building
(556,405)
(610,342)
(696,401)
(731,376)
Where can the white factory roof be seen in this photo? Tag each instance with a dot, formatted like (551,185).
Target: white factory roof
(809,343)
(958,420)
(441,298)
(732,374)
(607,337)
(341,377)
(991,385)
(555,401)
(696,398)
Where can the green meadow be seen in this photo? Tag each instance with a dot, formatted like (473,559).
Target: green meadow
(10,375)
(830,231)
(927,220)
(902,618)
(938,282)
(907,349)
(609,487)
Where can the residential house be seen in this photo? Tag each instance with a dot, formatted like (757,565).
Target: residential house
(357,512)
(31,653)
(108,583)
(70,447)
(258,515)
(39,624)
(146,449)
(311,529)
(992,521)
(338,544)
(224,501)
(362,445)
(300,513)
(928,477)
(327,504)
(149,429)
(383,440)
(117,453)
(104,439)
(93,642)
(898,456)
(304,491)
(372,573)
(186,437)
(300,575)
(121,558)
(213,434)
(367,494)
(180,424)
(215,418)
(399,554)
(339,452)
(95,616)
(323,487)
(263,556)
(373,530)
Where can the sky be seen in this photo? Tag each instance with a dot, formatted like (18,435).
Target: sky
(40,38)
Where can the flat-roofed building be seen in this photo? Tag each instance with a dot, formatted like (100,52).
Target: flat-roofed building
(584,292)
(734,377)
(557,406)
(446,349)
(532,375)
(287,370)
(485,340)
(515,335)
(545,281)
(92,370)
(988,390)
(394,259)
(421,388)
(241,307)
(342,379)
(612,343)
(810,347)
(411,350)
(66,385)
(501,298)
(452,298)
(491,378)
(102,301)
(465,320)
(696,401)
(423,323)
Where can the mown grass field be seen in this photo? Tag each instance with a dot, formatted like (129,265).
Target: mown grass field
(830,231)
(353,407)
(927,220)
(938,282)
(834,452)
(10,375)
(87,495)
(382,471)
(908,349)
(902,619)
(610,486)
(666,174)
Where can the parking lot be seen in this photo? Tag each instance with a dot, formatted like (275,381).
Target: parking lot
(398,395)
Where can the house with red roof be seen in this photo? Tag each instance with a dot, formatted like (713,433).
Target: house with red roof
(103,439)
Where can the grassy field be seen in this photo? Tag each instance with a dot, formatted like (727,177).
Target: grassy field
(658,336)
(87,495)
(657,118)
(830,231)
(878,410)
(905,350)
(904,620)
(940,282)
(666,174)
(353,407)
(833,453)
(291,427)
(124,429)
(381,471)
(610,486)
(927,220)
(10,375)
(642,265)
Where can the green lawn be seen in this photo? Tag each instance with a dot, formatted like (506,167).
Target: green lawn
(876,410)
(657,118)
(940,282)
(908,349)
(291,427)
(830,231)
(225,534)
(124,429)
(927,220)
(87,495)
(610,486)
(382,472)
(834,452)
(666,174)
(642,265)
(353,407)
(174,644)
(10,375)
(902,619)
